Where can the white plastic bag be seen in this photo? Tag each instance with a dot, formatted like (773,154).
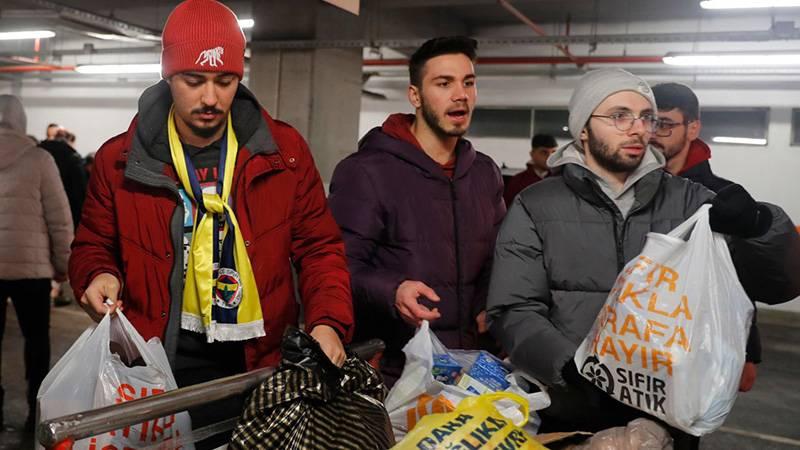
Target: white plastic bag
(670,339)
(91,376)
(417,393)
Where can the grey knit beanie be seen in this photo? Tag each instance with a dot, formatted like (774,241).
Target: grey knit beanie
(596,86)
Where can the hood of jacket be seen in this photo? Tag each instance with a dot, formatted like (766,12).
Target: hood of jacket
(13,145)
(571,160)
(699,152)
(154,106)
(395,137)
(571,153)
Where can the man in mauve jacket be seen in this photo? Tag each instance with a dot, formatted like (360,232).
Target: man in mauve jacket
(166,192)
(536,170)
(419,210)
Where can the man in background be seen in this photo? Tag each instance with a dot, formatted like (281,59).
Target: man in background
(51,131)
(542,146)
(74,178)
(678,139)
(70,167)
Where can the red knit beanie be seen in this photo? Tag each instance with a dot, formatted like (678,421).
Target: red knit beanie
(202,36)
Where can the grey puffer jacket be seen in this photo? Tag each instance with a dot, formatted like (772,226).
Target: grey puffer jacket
(564,241)
(35,221)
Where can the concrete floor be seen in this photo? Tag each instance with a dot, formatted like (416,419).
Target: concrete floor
(766,418)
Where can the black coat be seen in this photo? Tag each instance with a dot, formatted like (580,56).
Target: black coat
(73,174)
(701,173)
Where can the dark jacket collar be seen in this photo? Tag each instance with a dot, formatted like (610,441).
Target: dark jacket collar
(150,149)
(395,137)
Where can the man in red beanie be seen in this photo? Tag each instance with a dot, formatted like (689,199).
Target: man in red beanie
(195,216)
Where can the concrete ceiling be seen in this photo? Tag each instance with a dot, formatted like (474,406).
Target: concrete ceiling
(607,28)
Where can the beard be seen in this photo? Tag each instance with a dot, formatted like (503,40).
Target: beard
(671,151)
(614,160)
(435,122)
(208,131)
(205,132)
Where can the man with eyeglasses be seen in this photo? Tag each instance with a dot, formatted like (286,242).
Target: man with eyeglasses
(678,139)
(565,239)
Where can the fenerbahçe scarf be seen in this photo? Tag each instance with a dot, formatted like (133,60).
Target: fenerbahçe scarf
(221,302)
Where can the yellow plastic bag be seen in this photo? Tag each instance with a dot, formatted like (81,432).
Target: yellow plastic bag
(474,424)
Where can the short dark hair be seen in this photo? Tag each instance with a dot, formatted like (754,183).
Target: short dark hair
(436,47)
(53,125)
(543,140)
(671,96)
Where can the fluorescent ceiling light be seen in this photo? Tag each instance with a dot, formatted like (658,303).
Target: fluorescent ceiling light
(733,59)
(740,4)
(118,68)
(246,23)
(35,34)
(112,37)
(738,140)
(148,37)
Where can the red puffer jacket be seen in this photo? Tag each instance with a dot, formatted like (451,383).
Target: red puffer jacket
(132,227)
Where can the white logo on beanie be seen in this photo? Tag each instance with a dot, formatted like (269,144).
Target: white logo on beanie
(212,57)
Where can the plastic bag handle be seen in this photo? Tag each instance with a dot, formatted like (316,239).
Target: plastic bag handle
(682,230)
(505,395)
(131,333)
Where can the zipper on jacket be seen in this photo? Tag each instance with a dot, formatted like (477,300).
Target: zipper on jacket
(616,214)
(621,243)
(453,199)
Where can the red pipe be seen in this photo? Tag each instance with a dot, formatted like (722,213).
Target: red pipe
(530,60)
(489,60)
(36,68)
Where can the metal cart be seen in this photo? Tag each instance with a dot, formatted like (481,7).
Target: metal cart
(61,433)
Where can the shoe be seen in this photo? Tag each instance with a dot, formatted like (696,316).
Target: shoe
(62,301)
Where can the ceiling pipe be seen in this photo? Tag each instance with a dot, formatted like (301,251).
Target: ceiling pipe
(499,60)
(628,38)
(97,20)
(89,49)
(536,28)
(532,60)
(36,68)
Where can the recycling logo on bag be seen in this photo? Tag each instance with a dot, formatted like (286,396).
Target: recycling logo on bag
(598,374)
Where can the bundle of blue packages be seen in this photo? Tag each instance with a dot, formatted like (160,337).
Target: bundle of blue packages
(445,368)
(490,372)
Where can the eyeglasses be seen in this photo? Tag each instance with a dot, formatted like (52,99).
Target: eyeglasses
(664,128)
(623,121)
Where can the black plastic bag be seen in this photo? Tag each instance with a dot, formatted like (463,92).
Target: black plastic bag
(309,404)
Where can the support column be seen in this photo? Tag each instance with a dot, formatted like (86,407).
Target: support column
(317,91)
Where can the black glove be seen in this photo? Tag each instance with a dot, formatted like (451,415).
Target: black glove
(734,212)
(570,373)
